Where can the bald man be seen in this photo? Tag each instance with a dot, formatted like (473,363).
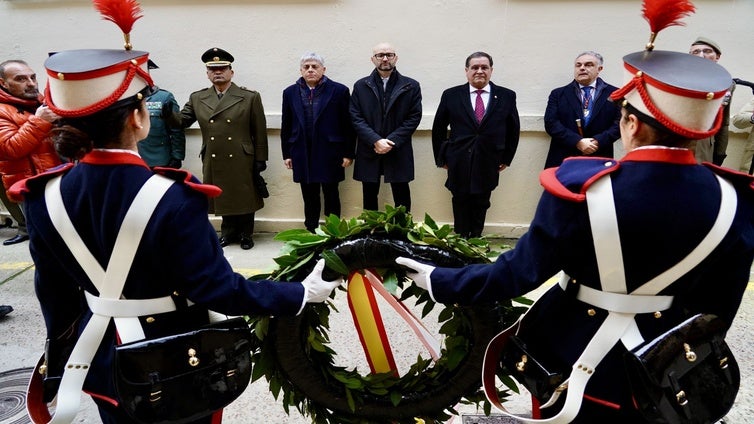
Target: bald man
(385,111)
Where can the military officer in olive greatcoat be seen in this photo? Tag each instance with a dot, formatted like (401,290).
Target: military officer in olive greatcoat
(234,146)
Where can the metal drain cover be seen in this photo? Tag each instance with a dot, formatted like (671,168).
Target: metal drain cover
(13,396)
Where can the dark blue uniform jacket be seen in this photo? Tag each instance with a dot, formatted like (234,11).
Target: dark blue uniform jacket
(179,253)
(665,205)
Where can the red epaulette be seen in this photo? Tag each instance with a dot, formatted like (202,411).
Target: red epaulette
(571,180)
(736,177)
(185,177)
(20,188)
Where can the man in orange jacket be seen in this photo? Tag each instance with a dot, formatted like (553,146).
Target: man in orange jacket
(25,123)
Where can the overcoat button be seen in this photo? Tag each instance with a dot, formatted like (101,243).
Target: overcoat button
(230,155)
(149,320)
(211,121)
(591,312)
(658,314)
(213,155)
(212,138)
(230,138)
(229,121)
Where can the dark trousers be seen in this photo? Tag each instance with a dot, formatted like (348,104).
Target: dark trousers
(401,195)
(313,205)
(469,213)
(233,227)
(15,210)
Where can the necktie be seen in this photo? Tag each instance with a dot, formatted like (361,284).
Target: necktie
(479,106)
(219,96)
(587,103)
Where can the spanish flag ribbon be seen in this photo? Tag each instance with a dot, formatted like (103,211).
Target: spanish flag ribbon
(369,324)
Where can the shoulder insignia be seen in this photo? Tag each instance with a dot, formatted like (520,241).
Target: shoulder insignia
(20,188)
(185,177)
(735,177)
(571,179)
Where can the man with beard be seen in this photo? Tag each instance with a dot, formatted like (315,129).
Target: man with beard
(385,110)
(234,146)
(25,124)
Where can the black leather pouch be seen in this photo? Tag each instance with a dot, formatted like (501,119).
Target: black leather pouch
(522,365)
(686,375)
(184,377)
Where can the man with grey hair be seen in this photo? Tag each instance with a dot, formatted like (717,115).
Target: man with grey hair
(317,139)
(579,118)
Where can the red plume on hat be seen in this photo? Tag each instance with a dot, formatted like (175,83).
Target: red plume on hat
(664,13)
(83,82)
(676,91)
(121,12)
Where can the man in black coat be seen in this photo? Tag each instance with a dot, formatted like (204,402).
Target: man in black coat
(483,137)
(579,117)
(385,111)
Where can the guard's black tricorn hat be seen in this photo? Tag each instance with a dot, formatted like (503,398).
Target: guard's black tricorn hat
(217,57)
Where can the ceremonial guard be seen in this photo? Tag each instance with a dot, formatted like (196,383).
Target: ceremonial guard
(81,220)
(614,226)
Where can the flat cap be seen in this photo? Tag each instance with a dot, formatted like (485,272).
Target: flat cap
(217,57)
(707,41)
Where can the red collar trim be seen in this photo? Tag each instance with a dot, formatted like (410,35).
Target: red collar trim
(112,157)
(661,154)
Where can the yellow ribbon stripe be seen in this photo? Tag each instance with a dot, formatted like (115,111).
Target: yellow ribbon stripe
(369,325)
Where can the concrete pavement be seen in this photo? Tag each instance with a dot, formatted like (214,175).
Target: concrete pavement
(22,338)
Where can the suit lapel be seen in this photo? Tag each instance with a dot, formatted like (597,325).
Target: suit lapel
(574,99)
(231,97)
(324,98)
(465,97)
(598,99)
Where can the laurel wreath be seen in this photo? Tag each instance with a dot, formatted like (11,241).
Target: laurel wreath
(419,395)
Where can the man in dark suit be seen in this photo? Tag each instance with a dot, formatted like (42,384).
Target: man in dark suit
(234,146)
(385,110)
(483,137)
(317,139)
(579,117)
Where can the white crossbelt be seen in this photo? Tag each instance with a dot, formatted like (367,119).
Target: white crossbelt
(622,307)
(109,283)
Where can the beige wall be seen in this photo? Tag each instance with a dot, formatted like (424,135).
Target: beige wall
(533,43)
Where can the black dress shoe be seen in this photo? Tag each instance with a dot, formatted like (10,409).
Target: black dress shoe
(5,310)
(224,241)
(17,239)
(247,243)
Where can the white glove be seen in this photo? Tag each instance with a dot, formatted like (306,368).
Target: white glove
(316,288)
(420,273)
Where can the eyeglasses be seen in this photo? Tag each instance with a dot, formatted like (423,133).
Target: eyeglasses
(706,51)
(381,56)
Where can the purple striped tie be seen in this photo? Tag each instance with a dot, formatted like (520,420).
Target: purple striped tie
(479,106)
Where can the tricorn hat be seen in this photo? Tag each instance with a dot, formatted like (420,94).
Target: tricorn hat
(216,57)
(676,91)
(83,82)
